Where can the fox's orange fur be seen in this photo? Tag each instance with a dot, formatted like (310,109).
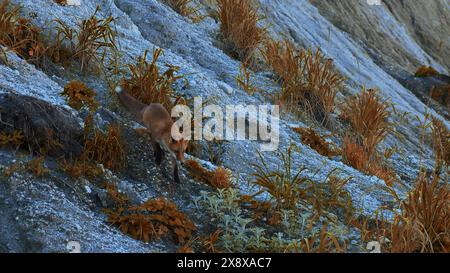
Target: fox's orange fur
(158,124)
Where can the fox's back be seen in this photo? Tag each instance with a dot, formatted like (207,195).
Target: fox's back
(157,119)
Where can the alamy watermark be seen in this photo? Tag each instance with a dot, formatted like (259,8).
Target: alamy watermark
(374,2)
(232,122)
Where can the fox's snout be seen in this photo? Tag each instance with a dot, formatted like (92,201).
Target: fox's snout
(180,156)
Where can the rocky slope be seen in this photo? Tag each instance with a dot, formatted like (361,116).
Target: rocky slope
(373,46)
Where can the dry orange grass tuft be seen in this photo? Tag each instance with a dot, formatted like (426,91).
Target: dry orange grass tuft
(61,2)
(106,148)
(368,116)
(187,8)
(323,242)
(384,173)
(36,166)
(424,222)
(18,34)
(147,84)
(244,80)
(220,178)
(80,168)
(239,28)
(99,147)
(283,184)
(425,71)
(308,80)
(355,155)
(153,219)
(441,94)
(441,144)
(316,142)
(93,36)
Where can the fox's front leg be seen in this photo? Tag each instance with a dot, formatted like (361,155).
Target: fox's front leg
(158,153)
(176,176)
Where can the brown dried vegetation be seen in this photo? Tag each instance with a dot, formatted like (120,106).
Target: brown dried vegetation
(441,144)
(220,178)
(368,116)
(19,34)
(424,222)
(425,71)
(147,84)
(186,8)
(308,79)
(154,219)
(315,141)
(88,44)
(239,28)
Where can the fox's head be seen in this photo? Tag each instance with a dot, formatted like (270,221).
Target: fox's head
(178,147)
(176,143)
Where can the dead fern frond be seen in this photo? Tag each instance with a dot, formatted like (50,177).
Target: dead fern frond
(153,219)
(78,95)
(16,138)
(220,178)
(311,138)
(425,71)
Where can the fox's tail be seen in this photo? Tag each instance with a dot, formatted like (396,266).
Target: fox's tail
(135,107)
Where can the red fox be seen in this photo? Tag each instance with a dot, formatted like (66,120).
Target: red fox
(158,123)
